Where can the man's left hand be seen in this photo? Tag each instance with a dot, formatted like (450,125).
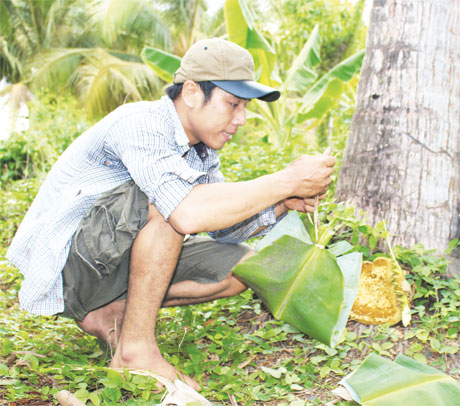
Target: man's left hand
(306,205)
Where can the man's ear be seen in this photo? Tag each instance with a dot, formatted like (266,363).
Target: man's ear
(192,94)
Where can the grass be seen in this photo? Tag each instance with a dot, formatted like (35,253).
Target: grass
(234,347)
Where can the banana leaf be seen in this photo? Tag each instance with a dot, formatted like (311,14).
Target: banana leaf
(163,63)
(300,75)
(382,382)
(327,89)
(295,227)
(302,283)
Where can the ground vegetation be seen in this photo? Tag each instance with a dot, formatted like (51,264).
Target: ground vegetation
(239,352)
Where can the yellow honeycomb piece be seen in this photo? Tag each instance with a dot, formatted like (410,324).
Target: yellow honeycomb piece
(379,299)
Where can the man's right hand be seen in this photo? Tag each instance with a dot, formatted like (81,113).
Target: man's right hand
(310,175)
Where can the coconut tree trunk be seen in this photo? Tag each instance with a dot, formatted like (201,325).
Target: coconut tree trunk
(402,158)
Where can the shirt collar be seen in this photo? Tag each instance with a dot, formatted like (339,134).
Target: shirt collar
(201,150)
(179,132)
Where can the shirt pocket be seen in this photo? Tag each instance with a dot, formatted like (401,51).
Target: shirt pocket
(114,164)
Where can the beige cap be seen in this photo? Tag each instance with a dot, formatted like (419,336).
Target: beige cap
(225,64)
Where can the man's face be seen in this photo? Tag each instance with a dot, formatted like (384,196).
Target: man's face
(215,122)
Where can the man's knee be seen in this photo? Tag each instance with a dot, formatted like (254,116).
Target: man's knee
(156,221)
(154,214)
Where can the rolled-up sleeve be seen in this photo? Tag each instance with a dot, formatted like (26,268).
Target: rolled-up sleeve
(246,229)
(154,162)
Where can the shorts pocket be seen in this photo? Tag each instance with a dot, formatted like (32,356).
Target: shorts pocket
(109,228)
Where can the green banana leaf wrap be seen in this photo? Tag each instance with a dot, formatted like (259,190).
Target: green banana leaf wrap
(303,284)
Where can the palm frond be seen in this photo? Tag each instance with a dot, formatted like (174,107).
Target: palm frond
(19,33)
(4,19)
(55,22)
(132,22)
(10,65)
(20,21)
(53,69)
(28,27)
(187,19)
(105,82)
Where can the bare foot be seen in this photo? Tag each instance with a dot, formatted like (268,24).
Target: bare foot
(105,322)
(148,358)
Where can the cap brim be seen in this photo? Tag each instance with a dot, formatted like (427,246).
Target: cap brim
(248,89)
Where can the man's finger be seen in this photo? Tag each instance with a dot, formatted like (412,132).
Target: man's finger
(322,196)
(329,160)
(310,201)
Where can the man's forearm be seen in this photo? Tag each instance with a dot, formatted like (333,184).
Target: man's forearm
(211,207)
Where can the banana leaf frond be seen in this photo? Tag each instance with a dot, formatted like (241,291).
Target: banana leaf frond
(381,382)
(302,283)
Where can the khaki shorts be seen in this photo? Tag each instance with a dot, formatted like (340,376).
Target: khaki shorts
(97,270)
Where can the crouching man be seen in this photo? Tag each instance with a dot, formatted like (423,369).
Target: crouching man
(103,242)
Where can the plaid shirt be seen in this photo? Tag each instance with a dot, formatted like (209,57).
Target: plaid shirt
(143,141)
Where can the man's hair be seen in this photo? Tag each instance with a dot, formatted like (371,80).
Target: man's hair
(175,90)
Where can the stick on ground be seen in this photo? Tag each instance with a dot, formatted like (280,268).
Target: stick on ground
(65,398)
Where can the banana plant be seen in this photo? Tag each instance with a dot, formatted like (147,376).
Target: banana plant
(303,283)
(304,96)
(381,382)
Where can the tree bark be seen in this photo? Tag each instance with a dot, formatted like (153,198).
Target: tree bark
(402,158)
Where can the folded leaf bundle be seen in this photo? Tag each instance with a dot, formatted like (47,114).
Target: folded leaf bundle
(382,382)
(303,284)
